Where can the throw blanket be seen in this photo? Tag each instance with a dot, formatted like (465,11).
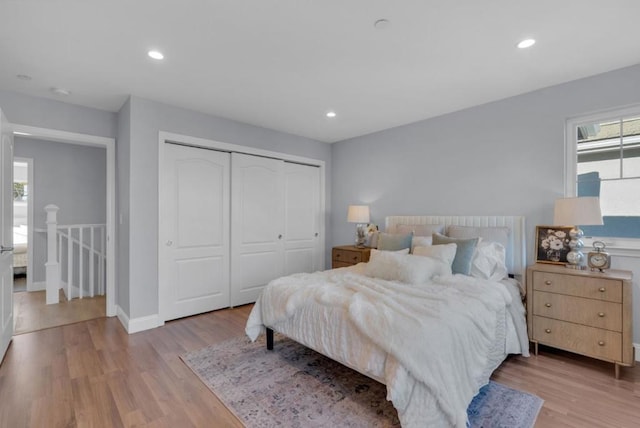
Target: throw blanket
(439,333)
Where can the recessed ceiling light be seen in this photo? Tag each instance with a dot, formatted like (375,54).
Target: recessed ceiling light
(23,77)
(331,114)
(381,24)
(155,54)
(526,43)
(20,133)
(61,91)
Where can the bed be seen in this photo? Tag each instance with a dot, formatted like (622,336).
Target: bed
(432,337)
(20,249)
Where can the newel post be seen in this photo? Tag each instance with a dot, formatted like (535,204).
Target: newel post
(52,265)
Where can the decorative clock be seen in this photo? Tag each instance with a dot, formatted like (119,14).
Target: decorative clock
(599,259)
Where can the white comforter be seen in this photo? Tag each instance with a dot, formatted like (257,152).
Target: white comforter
(438,335)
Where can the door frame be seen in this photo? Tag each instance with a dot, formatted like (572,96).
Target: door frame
(203,143)
(93,141)
(29,162)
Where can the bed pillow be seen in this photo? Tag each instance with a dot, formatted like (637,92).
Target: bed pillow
(405,268)
(420,229)
(464,252)
(421,241)
(491,234)
(489,261)
(445,253)
(393,241)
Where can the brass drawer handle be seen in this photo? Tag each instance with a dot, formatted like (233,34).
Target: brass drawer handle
(548,282)
(548,305)
(602,289)
(547,330)
(338,256)
(601,342)
(355,257)
(601,314)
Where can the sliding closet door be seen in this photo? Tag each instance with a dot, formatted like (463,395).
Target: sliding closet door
(257,227)
(302,219)
(194,240)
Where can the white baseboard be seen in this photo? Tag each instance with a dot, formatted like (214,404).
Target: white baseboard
(38,286)
(637,348)
(138,324)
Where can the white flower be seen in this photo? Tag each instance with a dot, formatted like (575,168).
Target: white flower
(556,244)
(545,244)
(560,234)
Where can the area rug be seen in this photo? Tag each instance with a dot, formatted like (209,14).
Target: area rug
(293,386)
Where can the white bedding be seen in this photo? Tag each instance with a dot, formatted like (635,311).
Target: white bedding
(20,246)
(433,345)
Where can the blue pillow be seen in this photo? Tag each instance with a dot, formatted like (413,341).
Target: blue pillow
(394,241)
(464,252)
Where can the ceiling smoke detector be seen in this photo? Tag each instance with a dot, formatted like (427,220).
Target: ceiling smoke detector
(61,92)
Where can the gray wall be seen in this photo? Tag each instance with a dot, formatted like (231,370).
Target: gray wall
(501,158)
(123,149)
(70,176)
(147,118)
(46,113)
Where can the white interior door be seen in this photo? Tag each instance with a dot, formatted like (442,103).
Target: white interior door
(302,252)
(6,235)
(257,228)
(194,239)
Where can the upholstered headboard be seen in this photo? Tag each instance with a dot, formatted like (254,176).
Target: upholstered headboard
(516,259)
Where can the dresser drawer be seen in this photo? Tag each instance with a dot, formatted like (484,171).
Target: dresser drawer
(594,313)
(580,286)
(346,256)
(590,341)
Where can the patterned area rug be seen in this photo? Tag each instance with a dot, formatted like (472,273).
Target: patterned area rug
(294,386)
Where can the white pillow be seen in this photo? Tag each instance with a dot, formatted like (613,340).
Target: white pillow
(445,253)
(489,261)
(421,241)
(492,234)
(405,268)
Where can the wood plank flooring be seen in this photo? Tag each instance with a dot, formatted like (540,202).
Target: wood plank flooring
(93,374)
(32,313)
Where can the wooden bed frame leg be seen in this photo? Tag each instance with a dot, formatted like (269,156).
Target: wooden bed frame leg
(269,339)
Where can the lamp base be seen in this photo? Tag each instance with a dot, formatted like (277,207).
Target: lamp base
(575,258)
(361,236)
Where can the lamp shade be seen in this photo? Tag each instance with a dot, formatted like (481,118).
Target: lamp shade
(582,211)
(358,214)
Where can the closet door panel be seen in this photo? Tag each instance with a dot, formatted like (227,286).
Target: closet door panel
(194,246)
(257,227)
(302,218)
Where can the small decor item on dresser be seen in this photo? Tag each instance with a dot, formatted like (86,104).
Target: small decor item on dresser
(372,236)
(552,244)
(599,259)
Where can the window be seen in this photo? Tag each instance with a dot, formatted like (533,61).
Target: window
(603,159)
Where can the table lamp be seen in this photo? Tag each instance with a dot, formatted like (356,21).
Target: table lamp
(583,211)
(359,214)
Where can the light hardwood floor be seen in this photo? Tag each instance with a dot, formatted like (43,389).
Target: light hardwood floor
(92,374)
(32,313)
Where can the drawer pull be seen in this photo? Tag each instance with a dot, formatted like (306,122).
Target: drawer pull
(548,282)
(547,330)
(601,342)
(548,305)
(601,314)
(355,257)
(337,256)
(602,289)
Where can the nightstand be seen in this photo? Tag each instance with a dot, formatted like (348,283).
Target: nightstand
(348,255)
(585,312)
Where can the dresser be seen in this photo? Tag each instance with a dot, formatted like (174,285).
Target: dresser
(585,312)
(348,255)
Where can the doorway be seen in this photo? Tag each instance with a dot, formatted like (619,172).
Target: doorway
(22,223)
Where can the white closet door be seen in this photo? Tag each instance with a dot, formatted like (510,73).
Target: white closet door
(194,246)
(6,235)
(257,228)
(302,219)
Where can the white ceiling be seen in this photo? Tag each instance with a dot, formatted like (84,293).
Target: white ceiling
(282,64)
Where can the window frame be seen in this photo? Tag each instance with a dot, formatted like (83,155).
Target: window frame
(615,245)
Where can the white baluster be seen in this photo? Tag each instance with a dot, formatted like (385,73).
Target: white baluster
(69,263)
(51,266)
(91,263)
(80,263)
